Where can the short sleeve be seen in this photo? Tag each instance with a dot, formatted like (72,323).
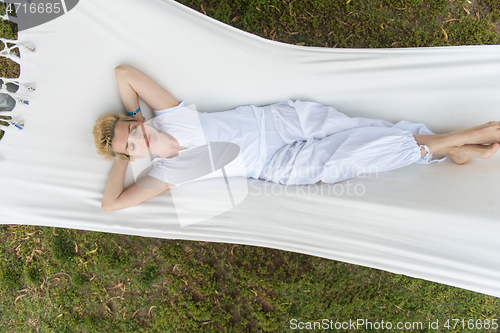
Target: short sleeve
(160,112)
(158,173)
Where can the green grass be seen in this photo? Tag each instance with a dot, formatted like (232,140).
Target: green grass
(63,280)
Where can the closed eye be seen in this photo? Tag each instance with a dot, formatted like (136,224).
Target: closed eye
(133,132)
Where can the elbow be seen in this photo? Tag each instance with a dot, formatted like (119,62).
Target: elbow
(111,207)
(121,70)
(107,207)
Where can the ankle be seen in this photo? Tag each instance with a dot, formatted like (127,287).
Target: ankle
(448,151)
(424,150)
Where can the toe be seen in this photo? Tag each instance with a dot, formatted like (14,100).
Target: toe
(491,151)
(495,147)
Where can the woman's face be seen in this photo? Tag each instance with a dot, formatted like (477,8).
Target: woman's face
(136,139)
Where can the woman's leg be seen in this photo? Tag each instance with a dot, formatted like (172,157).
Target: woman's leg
(462,145)
(343,155)
(461,155)
(438,142)
(488,133)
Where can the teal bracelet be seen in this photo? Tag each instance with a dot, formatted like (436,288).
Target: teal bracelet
(135,112)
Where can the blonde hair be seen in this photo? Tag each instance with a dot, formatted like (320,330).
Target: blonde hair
(104,132)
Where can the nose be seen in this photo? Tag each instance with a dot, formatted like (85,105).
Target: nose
(141,135)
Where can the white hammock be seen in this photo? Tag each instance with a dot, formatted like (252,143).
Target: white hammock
(438,222)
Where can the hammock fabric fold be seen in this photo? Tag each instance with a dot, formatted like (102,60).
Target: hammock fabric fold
(437,222)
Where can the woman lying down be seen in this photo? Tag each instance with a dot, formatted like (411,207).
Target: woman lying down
(291,143)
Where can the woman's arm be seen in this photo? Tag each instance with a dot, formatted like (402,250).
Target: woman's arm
(114,185)
(132,83)
(115,198)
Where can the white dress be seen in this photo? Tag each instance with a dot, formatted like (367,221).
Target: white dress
(295,142)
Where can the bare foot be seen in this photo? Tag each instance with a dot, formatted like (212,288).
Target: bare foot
(483,134)
(462,155)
